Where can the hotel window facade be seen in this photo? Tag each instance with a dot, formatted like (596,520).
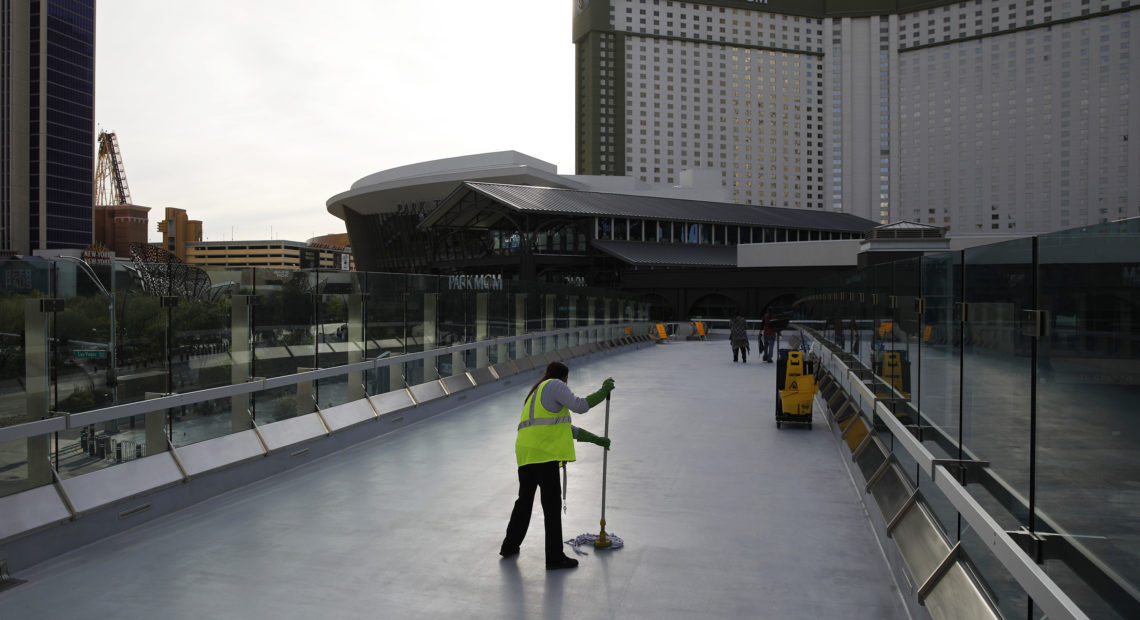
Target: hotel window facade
(47,55)
(984,116)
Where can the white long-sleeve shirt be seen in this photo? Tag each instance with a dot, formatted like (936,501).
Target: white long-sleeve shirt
(557,395)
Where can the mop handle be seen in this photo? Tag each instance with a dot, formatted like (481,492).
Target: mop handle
(605,459)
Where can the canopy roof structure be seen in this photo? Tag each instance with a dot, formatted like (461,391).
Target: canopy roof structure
(529,199)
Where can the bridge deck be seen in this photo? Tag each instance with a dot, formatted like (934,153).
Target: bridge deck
(723,516)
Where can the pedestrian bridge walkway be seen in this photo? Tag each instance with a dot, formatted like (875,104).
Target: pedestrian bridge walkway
(723,516)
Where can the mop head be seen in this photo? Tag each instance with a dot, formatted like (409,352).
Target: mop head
(587,540)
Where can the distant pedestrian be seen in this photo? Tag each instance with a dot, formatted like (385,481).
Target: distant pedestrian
(738,337)
(767,336)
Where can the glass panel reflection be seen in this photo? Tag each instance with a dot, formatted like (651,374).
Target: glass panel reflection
(1088,385)
(997,373)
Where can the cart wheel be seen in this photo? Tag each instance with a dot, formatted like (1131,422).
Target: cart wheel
(777,424)
(809,425)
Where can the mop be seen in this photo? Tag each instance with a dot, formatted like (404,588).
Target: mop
(601,540)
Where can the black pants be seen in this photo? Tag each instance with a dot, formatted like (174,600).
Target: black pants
(543,476)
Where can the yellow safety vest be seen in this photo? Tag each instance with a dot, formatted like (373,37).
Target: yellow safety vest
(544,436)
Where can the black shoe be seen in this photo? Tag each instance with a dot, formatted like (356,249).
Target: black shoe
(508,552)
(563,562)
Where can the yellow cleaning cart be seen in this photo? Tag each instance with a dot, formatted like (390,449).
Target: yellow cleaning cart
(795,388)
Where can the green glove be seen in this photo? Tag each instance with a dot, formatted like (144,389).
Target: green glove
(588,437)
(600,395)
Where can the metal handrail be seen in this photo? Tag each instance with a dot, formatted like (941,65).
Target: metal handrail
(114,412)
(1046,594)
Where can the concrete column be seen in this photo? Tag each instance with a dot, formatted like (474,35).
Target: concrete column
(482,301)
(240,355)
(431,317)
(396,377)
(305,402)
(37,368)
(550,343)
(155,427)
(356,345)
(520,323)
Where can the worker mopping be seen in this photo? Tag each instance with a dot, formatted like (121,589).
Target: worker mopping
(600,540)
(546,440)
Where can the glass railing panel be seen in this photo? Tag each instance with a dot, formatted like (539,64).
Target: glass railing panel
(422,332)
(882,337)
(1076,587)
(902,371)
(141,343)
(277,404)
(865,327)
(385,320)
(1005,592)
(577,316)
(14,467)
(456,316)
(996,366)
(1088,387)
(945,514)
(80,347)
(98,446)
(941,354)
(24,282)
(200,356)
(336,291)
(522,306)
(207,420)
(284,336)
(13,398)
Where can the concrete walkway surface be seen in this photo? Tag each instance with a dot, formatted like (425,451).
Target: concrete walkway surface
(723,516)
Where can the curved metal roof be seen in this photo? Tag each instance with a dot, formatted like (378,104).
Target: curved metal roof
(669,254)
(533,199)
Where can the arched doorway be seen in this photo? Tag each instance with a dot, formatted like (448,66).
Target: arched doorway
(713,306)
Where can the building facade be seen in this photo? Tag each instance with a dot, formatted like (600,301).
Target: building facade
(985,116)
(118,226)
(178,232)
(272,254)
(47,127)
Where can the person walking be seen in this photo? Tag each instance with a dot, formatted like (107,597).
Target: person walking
(767,336)
(546,441)
(738,337)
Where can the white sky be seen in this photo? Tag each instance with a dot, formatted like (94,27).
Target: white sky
(250,114)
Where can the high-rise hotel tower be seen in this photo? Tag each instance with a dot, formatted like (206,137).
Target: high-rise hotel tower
(985,116)
(47,139)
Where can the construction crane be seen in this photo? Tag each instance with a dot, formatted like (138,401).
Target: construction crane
(110,175)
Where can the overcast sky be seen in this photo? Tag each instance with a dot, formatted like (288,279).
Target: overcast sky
(250,114)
